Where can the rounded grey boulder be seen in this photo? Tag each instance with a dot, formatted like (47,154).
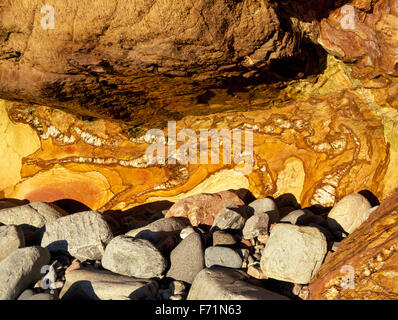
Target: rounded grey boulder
(222,256)
(133,257)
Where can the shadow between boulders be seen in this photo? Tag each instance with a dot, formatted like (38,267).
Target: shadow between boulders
(138,216)
(71,206)
(80,290)
(369,195)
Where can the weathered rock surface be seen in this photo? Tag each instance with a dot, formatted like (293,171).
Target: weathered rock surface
(108,54)
(44,150)
(92,284)
(187,259)
(134,258)
(231,217)
(204,208)
(11,238)
(223,257)
(256,225)
(368,257)
(222,238)
(84,235)
(348,213)
(21,269)
(219,283)
(293,253)
(33,215)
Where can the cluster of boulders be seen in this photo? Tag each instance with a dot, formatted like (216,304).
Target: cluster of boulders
(262,249)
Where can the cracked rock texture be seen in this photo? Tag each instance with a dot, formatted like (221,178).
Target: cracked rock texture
(84,235)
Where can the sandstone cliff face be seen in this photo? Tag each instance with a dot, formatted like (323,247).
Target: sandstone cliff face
(321,99)
(368,256)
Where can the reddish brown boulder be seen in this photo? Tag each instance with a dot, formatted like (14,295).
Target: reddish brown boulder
(365,266)
(204,207)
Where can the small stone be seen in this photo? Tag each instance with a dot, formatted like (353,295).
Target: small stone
(222,256)
(293,253)
(256,225)
(186,232)
(21,269)
(11,239)
(265,205)
(304,293)
(251,261)
(187,259)
(219,283)
(133,257)
(256,272)
(231,217)
(222,238)
(83,235)
(349,213)
(263,238)
(74,266)
(243,253)
(177,287)
(296,289)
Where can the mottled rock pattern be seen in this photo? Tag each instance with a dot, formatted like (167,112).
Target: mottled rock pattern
(204,208)
(219,283)
(349,213)
(11,238)
(369,255)
(92,284)
(187,259)
(84,235)
(222,256)
(134,258)
(21,269)
(293,253)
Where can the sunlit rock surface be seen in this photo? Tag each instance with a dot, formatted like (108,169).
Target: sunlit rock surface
(321,131)
(365,266)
